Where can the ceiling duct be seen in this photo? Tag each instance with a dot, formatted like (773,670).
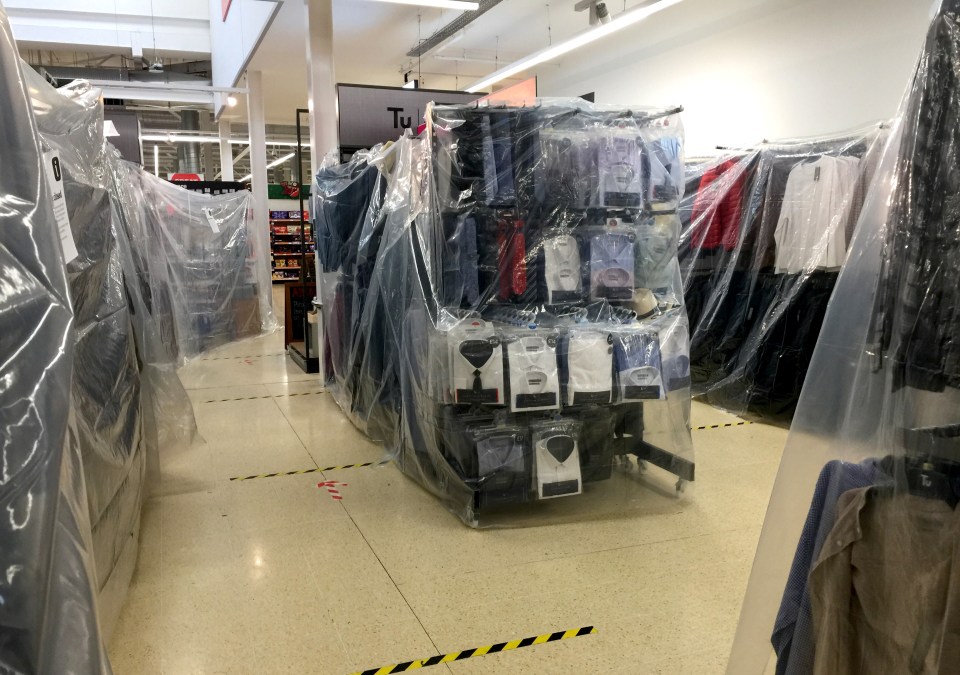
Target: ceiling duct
(188,154)
(453,28)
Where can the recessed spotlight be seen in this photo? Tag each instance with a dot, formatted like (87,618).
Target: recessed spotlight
(232,101)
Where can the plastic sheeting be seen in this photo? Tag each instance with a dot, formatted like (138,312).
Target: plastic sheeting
(48,597)
(857,568)
(504,299)
(211,263)
(349,217)
(765,235)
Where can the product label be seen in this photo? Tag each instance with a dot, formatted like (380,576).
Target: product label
(590,397)
(564,487)
(482,396)
(615,293)
(545,400)
(51,165)
(639,392)
(557,297)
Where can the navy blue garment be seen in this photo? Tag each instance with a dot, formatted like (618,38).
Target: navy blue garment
(793,633)
(341,202)
(461,283)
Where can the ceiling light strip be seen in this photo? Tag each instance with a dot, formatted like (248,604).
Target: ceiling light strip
(271,165)
(588,36)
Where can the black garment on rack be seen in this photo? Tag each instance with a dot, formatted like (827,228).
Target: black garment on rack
(916,320)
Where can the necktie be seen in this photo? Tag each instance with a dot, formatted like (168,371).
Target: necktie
(512,259)
(477,382)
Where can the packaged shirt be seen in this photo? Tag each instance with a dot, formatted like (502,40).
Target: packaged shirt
(503,462)
(561,269)
(534,379)
(639,367)
(476,357)
(656,252)
(556,448)
(620,168)
(567,171)
(665,170)
(612,263)
(588,360)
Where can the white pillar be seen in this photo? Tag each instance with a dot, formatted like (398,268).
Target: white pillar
(226,152)
(258,176)
(321,82)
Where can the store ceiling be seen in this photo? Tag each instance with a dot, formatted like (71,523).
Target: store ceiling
(372,40)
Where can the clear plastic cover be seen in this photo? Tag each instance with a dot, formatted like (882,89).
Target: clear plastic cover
(522,276)
(765,234)
(857,565)
(213,264)
(48,584)
(349,218)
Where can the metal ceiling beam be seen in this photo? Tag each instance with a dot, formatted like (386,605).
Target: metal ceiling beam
(453,27)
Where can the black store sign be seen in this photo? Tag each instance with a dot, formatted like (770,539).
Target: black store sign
(371,115)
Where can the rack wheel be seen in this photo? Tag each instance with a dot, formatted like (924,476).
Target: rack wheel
(641,466)
(681,486)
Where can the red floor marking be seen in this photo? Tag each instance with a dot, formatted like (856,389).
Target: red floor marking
(330,486)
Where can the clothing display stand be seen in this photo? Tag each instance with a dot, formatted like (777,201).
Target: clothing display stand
(305,354)
(506,288)
(551,307)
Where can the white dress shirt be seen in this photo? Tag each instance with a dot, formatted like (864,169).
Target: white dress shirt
(534,380)
(561,268)
(476,358)
(558,465)
(589,368)
(811,230)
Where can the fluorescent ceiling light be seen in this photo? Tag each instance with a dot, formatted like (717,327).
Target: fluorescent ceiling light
(271,165)
(592,34)
(445,4)
(280,161)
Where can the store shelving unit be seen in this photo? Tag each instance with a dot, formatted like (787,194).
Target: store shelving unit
(287,249)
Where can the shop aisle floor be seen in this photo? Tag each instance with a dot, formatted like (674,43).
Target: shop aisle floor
(274,575)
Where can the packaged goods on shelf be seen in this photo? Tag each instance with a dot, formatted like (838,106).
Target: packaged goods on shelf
(503,307)
(857,564)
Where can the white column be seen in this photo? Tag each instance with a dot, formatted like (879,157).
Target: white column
(258,177)
(321,82)
(226,152)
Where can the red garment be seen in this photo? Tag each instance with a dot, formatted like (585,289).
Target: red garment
(512,258)
(717,207)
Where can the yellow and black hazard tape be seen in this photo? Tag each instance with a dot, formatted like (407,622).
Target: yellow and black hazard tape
(231,358)
(255,398)
(720,426)
(480,651)
(305,471)
(243,398)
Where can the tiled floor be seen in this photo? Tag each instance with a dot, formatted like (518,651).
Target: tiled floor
(274,576)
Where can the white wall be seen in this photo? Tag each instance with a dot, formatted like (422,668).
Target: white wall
(233,41)
(768,69)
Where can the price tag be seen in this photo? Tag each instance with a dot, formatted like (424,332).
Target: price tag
(54,171)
